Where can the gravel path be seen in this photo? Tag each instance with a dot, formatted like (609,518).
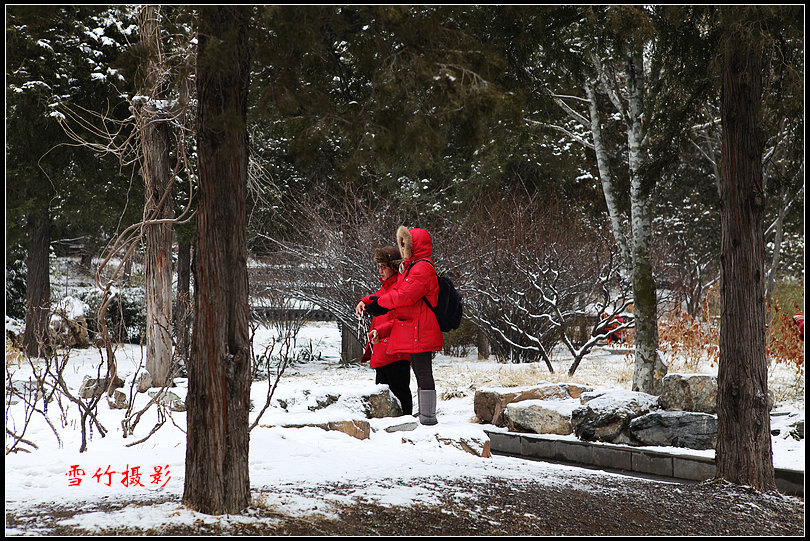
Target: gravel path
(623,506)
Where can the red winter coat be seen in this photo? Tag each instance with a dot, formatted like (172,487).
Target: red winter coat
(377,353)
(415,328)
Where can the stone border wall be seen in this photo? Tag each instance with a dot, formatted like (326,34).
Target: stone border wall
(624,458)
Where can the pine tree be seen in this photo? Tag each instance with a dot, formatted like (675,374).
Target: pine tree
(217,446)
(59,56)
(744,452)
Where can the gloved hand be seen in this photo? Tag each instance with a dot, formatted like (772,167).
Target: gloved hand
(375,309)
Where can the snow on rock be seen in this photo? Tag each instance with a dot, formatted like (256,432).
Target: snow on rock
(490,403)
(542,416)
(68,325)
(468,438)
(72,308)
(606,417)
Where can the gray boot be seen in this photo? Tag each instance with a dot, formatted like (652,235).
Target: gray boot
(427,407)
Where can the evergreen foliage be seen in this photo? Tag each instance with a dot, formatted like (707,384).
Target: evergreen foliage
(61,56)
(417,111)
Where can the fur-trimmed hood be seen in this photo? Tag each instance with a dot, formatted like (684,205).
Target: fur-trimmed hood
(414,243)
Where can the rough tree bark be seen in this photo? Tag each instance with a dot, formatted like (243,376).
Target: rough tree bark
(743,451)
(38,301)
(217,447)
(351,348)
(153,130)
(183,300)
(649,369)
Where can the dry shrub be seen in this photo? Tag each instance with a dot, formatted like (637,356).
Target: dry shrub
(784,344)
(692,339)
(14,356)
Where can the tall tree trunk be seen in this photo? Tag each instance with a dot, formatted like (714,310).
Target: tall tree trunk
(217,446)
(38,283)
(183,299)
(154,133)
(482,341)
(649,370)
(743,452)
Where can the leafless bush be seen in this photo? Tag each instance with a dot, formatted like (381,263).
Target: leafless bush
(329,264)
(263,364)
(277,311)
(530,275)
(45,388)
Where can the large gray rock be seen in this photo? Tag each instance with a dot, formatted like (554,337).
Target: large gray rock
(541,416)
(383,403)
(92,388)
(675,429)
(168,399)
(490,404)
(689,392)
(607,417)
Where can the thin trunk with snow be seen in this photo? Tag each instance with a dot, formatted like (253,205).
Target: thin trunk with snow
(606,178)
(649,370)
(154,135)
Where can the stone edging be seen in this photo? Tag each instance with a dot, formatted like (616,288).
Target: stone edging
(624,458)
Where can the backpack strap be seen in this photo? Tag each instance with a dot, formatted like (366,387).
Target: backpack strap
(424,298)
(407,272)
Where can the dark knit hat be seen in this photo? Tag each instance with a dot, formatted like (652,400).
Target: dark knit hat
(388,255)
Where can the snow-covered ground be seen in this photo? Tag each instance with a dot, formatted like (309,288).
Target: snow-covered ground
(293,470)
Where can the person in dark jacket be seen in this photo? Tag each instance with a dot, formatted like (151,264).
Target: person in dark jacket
(415,328)
(393,369)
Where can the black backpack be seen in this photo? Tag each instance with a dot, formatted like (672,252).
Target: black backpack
(448,308)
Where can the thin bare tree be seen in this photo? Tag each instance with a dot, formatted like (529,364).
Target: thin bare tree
(152,125)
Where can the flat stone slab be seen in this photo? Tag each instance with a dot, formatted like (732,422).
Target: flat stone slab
(355,428)
(402,427)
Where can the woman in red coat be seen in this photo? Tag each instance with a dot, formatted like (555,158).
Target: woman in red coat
(415,329)
(393,369)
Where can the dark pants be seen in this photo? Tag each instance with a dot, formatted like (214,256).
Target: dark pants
(423,370)
(397,376)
